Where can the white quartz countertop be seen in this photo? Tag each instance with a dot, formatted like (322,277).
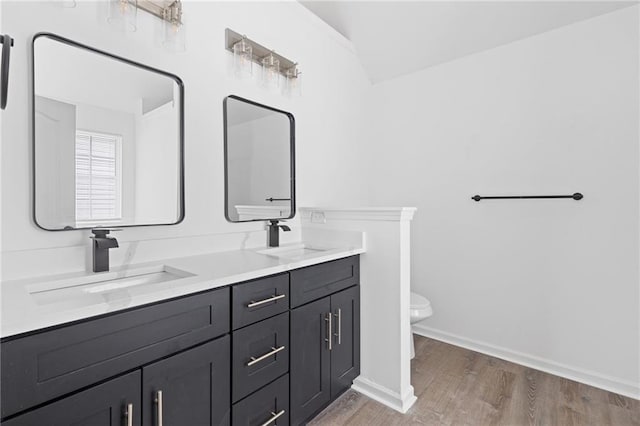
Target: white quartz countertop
(37,303)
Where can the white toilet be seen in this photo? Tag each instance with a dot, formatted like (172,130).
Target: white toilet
(420,308)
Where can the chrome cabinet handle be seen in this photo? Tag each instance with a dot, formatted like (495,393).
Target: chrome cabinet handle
(339,326)
(255,360)
(273,418)
(261,302)
(158,402)
(129,414)
(327,318)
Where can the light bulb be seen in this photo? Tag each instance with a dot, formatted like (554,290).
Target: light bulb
(174,38)
(243,57)
(270,71)
(122,14)
(292,85)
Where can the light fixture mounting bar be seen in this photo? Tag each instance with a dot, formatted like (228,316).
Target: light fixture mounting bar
(259,51)
(162,9)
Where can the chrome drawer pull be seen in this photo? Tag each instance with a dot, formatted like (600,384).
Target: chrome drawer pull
(129,414)
(327,318)
(261,302)
(273,418)
(339,326)
(158,402)
(265,356)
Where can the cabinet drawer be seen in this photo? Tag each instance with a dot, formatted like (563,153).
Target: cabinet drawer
(264,405)
(314,282)
(102,405)
(260,354)
(256,300)
(43,366)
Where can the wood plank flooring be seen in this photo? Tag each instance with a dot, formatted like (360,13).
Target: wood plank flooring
(456,386)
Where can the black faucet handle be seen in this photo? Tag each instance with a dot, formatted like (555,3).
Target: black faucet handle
(274,223)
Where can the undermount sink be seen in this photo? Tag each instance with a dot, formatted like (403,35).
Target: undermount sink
(103,283)
(293,252)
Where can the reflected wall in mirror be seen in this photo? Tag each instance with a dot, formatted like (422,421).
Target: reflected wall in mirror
(259,146)
(107,139)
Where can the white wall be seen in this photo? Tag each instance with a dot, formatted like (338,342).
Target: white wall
(327,118)
(55,158)
(156,168)
(65,73)
(551,283)
(271,151)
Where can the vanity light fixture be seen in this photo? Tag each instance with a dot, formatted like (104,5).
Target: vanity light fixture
(173,28)
(242,57)
(273,66)
(270,71)
(123,14)
(292,82)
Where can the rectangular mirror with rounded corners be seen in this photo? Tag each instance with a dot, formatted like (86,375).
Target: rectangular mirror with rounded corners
(259,152)
(108,139)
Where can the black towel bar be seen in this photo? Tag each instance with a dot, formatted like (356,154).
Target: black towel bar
(577,196)
(271,199)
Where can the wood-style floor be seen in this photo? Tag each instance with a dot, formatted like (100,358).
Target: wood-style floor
(456,386)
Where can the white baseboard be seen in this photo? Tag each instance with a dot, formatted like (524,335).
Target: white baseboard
(385,396)
(597,380)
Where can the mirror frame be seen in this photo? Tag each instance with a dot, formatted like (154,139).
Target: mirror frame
(174,77)
(292,158)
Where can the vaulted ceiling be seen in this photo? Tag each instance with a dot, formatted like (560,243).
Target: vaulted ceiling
(394,38)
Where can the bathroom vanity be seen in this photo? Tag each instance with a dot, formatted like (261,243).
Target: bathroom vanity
(244,337)
(275,349)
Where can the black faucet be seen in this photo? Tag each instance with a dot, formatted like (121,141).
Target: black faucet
(101,246)
(274,233)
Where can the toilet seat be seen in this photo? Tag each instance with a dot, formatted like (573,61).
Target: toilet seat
(419,309)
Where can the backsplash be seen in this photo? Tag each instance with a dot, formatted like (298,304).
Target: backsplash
(41,262)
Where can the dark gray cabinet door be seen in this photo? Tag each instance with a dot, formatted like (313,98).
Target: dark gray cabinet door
(345,353)
(194,387)
(102,405)
(309,370)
